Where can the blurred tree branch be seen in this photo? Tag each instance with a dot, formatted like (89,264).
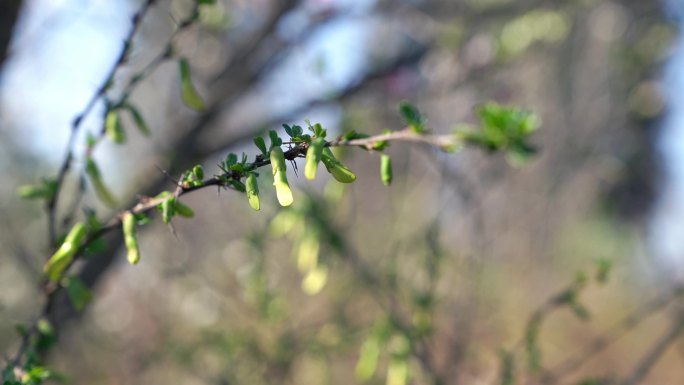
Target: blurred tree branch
(9,13)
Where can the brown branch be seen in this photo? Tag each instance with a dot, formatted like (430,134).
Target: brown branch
(656,352)
(614,334)
(51,205)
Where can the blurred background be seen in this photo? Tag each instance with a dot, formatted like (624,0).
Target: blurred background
(466,270)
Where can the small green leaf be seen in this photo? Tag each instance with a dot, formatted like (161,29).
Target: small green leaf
(319,131)
(188,92)
(413,117)
(397,371)
(315,280)
(307,252)
(138,119)
(64,255)
(131,237)
(167,208)
(338,170)
(101,189)
(252,189)
(113,127)
(313,156)
(198,172)
(368,359)
(237,185)
(45,190)
(79,294)
(288,130)
(386,169)
(283,191)
(275,139)
(603,268)
(183,210)
(261,145)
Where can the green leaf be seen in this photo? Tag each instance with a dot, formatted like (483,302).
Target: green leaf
(79,294)
(261,145)
(138,119)
(188,92)
(101,189)
(313,156)
(603,268)
(307,252)
(282,187)
(64,255)
(167,208)
(113,127)
(275,139)
(397,371)
(237,185)
(45,190)
(198,172)
(413,117)
(183,210)
(319,131)
(315,280)
(252,189)
(368,359)
(386,169)
(338,170)
(131,237)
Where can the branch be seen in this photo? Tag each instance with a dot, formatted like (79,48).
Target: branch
(614,333)
(658,349)
(51,205)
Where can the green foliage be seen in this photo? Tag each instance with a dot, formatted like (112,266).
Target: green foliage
(413,118)
(504,128)
(385,169)
(189,94)
(313,157)
(78,292)
(252,189)
(128,223)
(63,257)
(283,191)
(341,173)
(261,145)
(45,190)
(113,126)
(138,119)
(95,178)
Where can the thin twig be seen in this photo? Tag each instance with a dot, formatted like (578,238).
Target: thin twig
(51,205)
(658,349)
(600,343)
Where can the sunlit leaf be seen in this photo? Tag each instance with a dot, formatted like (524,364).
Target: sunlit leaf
(313,157)
(64,255)
(252,189)
(283,191)
(386,169)
(131,237)
(315,280)
(338,170)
